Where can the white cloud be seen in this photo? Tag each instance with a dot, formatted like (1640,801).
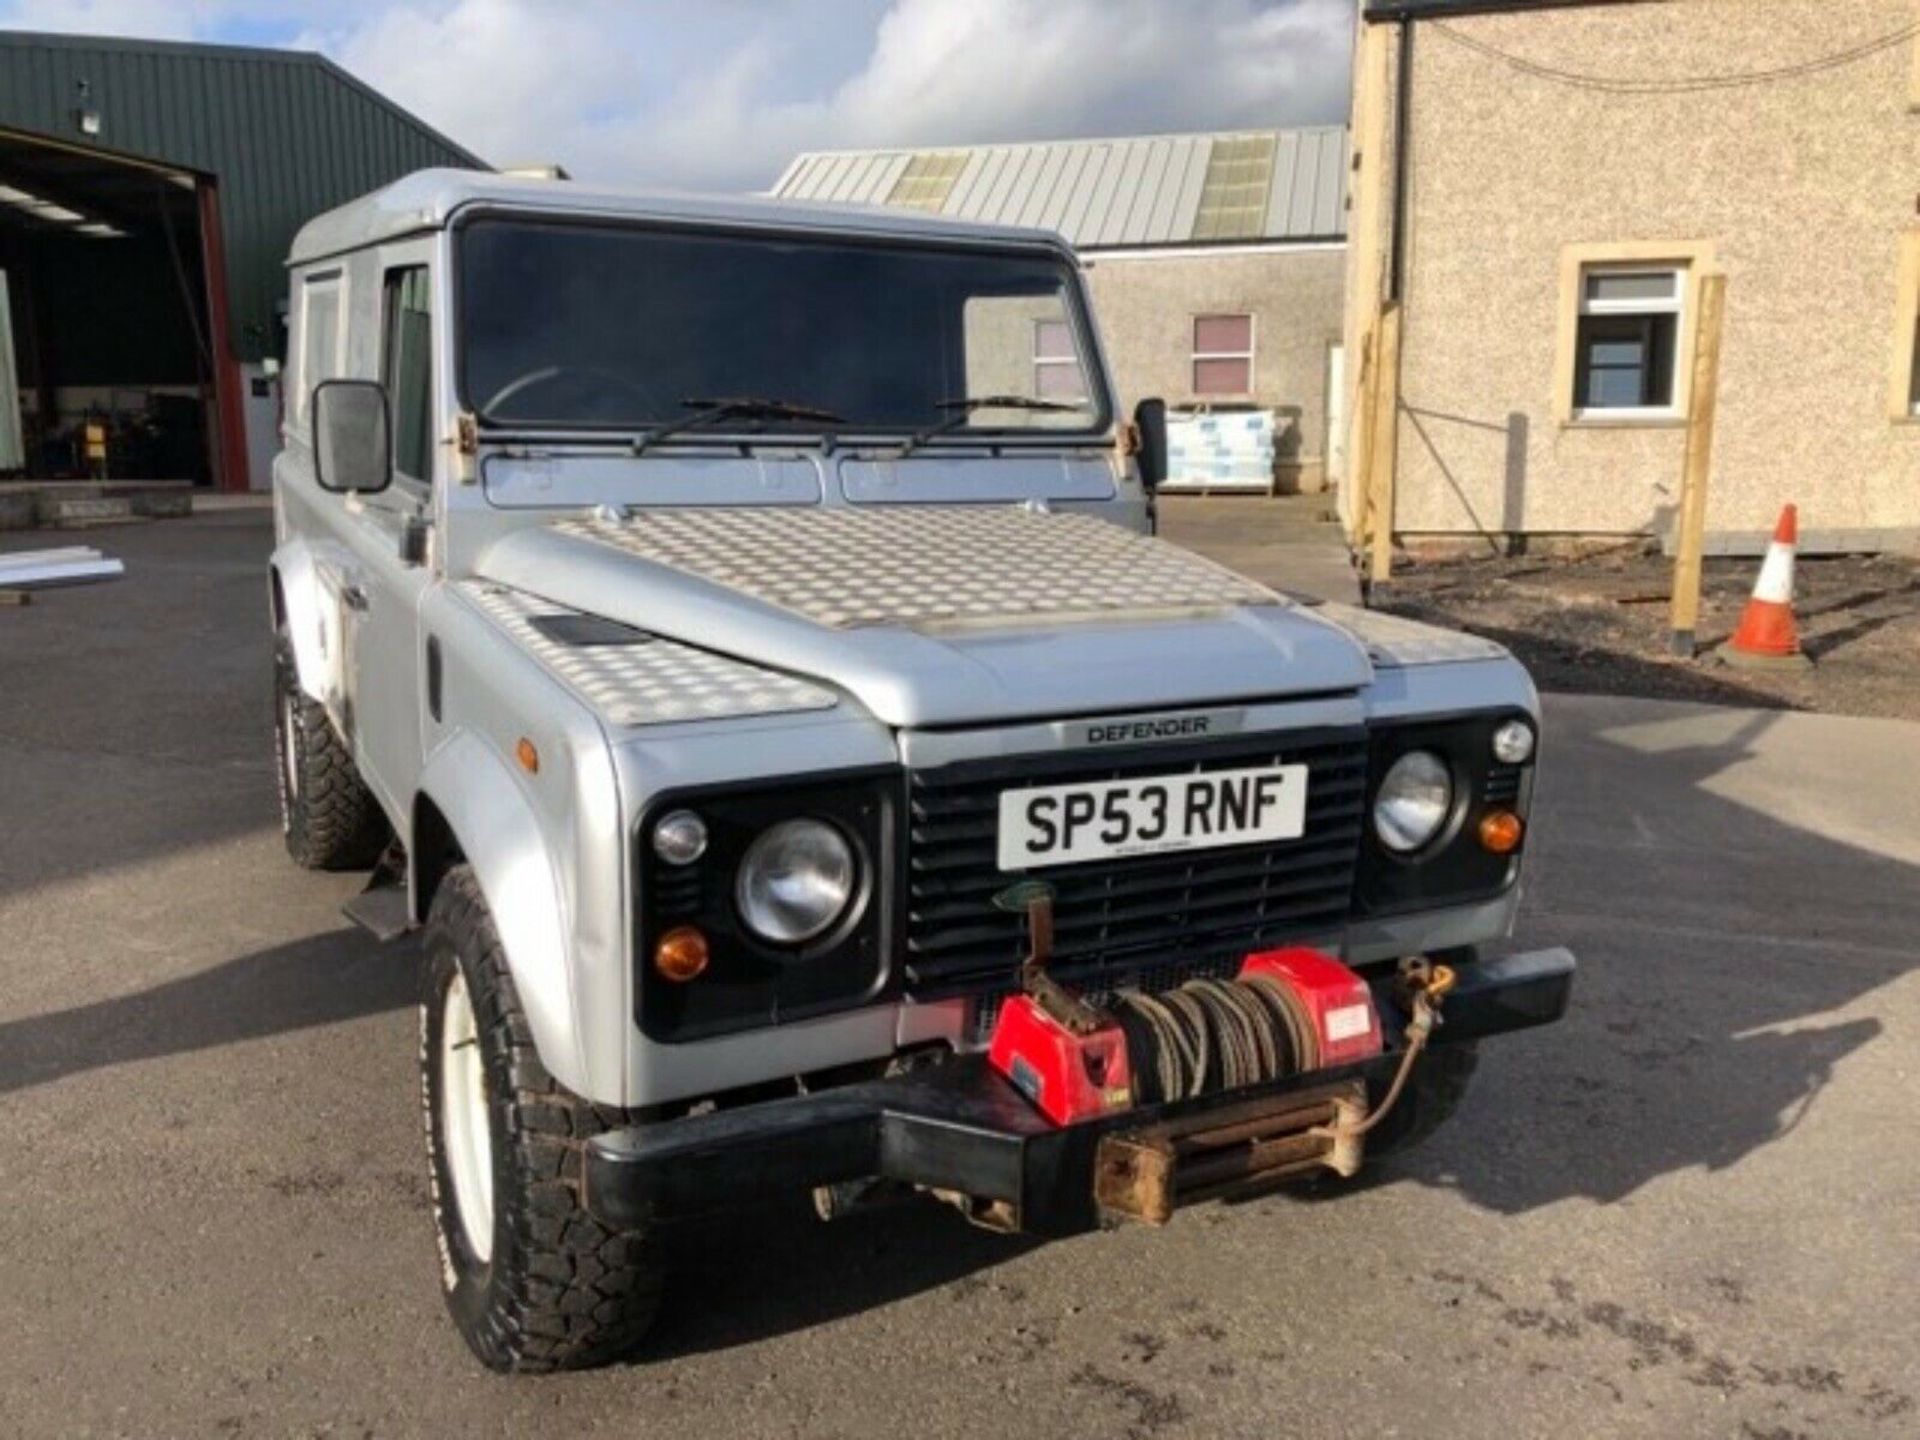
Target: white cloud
(624,92)
(719,94)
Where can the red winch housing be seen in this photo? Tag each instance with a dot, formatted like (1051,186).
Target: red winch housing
(1071,1077)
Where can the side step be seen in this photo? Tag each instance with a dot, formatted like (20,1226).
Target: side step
(1227,1153)
(380,910)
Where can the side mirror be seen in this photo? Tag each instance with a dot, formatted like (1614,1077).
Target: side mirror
(1150,419)
(352,449)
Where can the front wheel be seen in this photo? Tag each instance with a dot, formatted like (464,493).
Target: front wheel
(532,1280)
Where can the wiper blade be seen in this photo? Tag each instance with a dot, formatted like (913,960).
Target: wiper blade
(706,410)
(964,407)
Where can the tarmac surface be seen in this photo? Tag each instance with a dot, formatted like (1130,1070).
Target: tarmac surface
(1692,1209)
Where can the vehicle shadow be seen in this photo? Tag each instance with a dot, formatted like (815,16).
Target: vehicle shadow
(1716,945)
(787,1272)
(341,975)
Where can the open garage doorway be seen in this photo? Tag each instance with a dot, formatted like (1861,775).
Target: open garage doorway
(113,354)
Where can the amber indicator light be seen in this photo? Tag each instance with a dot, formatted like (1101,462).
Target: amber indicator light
(1500,831)
(680,955)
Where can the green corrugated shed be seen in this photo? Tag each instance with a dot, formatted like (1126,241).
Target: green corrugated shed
(285,134)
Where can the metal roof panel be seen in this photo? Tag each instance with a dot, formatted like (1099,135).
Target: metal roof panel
(1131,191)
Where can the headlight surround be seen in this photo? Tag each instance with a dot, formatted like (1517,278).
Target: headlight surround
(796,880)
(1413,802)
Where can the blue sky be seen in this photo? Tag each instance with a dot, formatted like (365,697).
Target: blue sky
(719,94)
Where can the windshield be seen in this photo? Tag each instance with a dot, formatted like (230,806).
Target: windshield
(619,326)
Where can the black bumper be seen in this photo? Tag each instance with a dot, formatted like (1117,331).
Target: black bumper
(958,1126)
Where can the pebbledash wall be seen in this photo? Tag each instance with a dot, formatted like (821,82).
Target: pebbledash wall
(1542,135)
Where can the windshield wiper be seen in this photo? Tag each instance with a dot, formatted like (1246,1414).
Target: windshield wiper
(731,407)
(964,409)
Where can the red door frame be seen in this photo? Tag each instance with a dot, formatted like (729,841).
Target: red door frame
(230,449)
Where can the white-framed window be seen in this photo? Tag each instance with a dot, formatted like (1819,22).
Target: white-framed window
(1056,362)
(1627,343)
(1223,355)
(321,348)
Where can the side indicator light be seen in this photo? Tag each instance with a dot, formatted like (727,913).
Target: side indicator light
(1500,832)
(527,755)
(680,955)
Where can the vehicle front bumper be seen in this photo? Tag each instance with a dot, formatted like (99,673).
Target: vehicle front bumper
(960,1127)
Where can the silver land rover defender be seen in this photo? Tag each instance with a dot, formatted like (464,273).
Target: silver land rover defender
(759,680)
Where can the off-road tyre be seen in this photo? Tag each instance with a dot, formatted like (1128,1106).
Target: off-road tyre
(560,1290)
(1434,1091)
(328,816)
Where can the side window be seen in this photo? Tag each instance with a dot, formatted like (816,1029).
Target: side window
(1056,362)
(1222,355)
(319,336)
(406,369)
(1626,346)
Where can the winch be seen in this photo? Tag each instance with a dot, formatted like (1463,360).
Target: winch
(1286,1012)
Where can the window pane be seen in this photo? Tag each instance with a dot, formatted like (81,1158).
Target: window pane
(407,369)
(1222,334)
(1625,362)
(1052,340)
(320,340)
(1222,377)
(1614,287)
(1059,380)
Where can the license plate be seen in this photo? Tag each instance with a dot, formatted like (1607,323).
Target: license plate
(1150,815)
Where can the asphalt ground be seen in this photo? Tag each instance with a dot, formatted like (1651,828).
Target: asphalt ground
(1692,1209)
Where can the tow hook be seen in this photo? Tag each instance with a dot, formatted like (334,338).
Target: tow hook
(1422,986)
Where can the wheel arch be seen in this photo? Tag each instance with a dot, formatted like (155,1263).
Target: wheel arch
(470,810)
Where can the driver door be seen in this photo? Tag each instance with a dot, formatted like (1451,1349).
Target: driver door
(382,599)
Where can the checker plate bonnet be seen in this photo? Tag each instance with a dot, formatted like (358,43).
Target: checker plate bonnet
(649,682)
(929,566)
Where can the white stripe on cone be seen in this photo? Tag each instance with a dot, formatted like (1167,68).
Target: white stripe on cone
(1775,585)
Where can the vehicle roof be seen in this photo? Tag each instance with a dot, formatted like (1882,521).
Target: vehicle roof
(428,199)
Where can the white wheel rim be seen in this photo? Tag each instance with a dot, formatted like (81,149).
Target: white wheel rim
(464,1131)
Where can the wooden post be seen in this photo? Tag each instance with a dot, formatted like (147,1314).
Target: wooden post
(1690,542)
(1368,219)
(1360,445)
(1382,451)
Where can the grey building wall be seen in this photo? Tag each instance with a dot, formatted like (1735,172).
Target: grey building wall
(1146,304)
(285,135)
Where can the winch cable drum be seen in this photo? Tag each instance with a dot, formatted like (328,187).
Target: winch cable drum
(1210,1035)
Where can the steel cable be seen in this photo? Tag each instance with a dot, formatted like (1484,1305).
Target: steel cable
(1211,1035)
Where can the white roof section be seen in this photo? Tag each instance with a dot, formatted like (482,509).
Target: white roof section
(428,199)
(1241,187)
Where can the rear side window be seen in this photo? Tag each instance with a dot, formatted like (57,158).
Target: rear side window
(406,369)
(319,336)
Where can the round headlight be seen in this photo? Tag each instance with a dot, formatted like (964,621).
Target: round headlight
(1414,801)
(796,879)
(680,838)
(1513,743)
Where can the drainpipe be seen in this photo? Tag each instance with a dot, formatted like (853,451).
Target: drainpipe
(1402,104)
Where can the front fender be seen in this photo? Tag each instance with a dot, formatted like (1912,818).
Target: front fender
(500,835)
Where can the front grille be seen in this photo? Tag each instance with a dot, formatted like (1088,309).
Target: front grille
(1118,916)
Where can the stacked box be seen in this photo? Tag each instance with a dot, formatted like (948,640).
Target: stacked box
(1232,451)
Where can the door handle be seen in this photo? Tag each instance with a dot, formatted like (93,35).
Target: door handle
(354,597)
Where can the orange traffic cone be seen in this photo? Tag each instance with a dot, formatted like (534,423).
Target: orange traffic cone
(1767,638)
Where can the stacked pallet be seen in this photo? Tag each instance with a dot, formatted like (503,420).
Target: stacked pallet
(1214,450)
